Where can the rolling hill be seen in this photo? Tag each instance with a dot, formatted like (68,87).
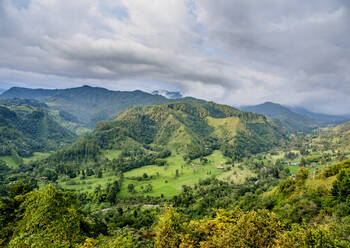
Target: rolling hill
(85,106)
(146,135)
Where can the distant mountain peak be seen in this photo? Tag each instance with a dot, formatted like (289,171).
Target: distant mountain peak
(288,118)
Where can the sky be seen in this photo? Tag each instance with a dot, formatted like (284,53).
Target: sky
(237,52)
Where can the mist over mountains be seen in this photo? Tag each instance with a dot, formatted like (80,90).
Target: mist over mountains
(168,94)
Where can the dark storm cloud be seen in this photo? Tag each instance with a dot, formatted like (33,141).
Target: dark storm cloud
(235,52)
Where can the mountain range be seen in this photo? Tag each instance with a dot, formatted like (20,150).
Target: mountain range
(79,109)
(85,106)
(189,129)
(295,119)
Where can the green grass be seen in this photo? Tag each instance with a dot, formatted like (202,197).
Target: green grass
(14,161)
(11,161)
(237,174)
(111,154)
(88,184)
(293,168)
(164,180)
(36,156)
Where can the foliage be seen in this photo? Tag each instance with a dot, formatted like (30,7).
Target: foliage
(25,129)
(341,187)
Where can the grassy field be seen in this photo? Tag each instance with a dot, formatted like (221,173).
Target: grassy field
(14,161)
(36,156)
(164,179)
(88,184)
(111,154)
(237,174)
(11,161)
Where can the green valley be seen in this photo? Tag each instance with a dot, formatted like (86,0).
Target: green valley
(182,173)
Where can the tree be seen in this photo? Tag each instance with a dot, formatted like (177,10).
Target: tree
(99,174)
(131,188)
(112,190)
(169,230)
(9,207)
(50,219)
(341,187)
(302,174)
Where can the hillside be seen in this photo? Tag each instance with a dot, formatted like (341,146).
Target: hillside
(289,119)
(85,106)
(144,135)
(27,128)
(339,135)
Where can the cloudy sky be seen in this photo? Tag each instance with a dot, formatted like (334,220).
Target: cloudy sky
(235,52)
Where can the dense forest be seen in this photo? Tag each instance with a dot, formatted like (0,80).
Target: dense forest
(26,128)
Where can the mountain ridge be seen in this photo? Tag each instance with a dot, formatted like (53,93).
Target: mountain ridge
(295,118)
(88,105)
(190,129)
(291,120)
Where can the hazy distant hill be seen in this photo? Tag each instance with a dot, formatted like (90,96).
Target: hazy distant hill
(322,119)
(2,90)
(26,93)
(26,128)
(291,120)
(87,105)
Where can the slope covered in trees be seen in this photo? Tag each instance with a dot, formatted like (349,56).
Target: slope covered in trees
(27,128)
(145,135)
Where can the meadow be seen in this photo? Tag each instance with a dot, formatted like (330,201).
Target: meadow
(14,161)
(165,181)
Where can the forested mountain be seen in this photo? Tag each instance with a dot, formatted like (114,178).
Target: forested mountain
(191,129)
(289,119)
(26,128)
(85,106)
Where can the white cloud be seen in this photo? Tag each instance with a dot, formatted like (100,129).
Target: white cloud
(234,52)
